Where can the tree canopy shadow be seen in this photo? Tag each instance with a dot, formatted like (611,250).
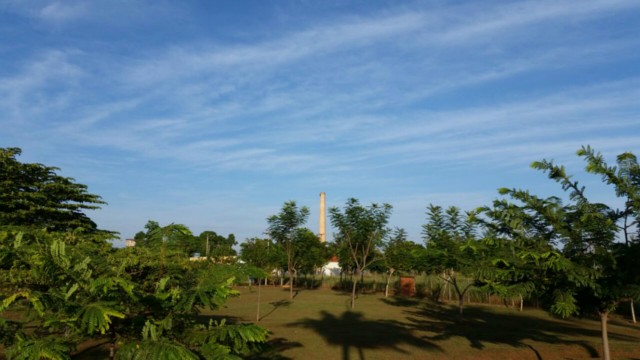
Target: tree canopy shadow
(401,301)
(480,326)
(275,348)
(352,330)
(276,305)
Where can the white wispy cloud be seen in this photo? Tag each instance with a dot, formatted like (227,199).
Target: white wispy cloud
(366,98)
(62,11)
(487,22)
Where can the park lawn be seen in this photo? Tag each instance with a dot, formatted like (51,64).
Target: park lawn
(319,325)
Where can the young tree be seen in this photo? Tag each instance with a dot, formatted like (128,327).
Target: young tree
(310,252)
(523,255)
(452,250)
(284,228)
(261,253)
(361,230)
(400,255)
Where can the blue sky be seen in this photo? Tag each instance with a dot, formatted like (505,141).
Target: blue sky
(212,114)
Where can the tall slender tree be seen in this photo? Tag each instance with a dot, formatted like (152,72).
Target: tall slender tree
(361,230)
(284,228)
(451,248)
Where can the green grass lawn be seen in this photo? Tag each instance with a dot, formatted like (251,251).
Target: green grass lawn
(319,325)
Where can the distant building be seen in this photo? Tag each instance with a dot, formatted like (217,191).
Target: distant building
(332,268)
(129,243)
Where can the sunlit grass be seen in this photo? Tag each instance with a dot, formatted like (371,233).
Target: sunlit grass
(319,325)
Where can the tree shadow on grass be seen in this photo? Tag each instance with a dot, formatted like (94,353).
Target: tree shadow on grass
(352,330)
(480,326)
(276,305)
(401,301)
(275,348)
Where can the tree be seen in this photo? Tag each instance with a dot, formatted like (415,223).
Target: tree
(261,253)
(311,254)
(523,259)
(284,228)
(591,271)
(626,181)
(216,246)
(361,230)
(400,255)
(452,250)
(34,195)
(625,177)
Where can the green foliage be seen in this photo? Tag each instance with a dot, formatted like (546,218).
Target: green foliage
(263,253)
(451,245)
(361,232)
(97,317)
(60,274)
(285,229)
(49,348)
(564,304)
(309,252)
(402,255)
(215,246)
(591,273)
(34,195)
(155,349)
(238,339)
(125,298)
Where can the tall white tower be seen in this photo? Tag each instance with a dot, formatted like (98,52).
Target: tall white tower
(322,231)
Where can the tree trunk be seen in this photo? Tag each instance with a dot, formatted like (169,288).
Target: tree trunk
(258,311)
(633,313)
(112,346)
(290,285)
(461,303)
(386,289)
(353,294)
(521,302)
(604,317)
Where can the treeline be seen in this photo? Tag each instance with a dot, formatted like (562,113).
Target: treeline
(569,253)
(179,237)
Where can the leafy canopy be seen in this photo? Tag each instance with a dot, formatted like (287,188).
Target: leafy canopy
(34,195)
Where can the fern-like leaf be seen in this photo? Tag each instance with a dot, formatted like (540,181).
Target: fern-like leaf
(97,317)
(37,349)
(156,350)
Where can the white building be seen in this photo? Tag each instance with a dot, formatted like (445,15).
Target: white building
(332,268)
